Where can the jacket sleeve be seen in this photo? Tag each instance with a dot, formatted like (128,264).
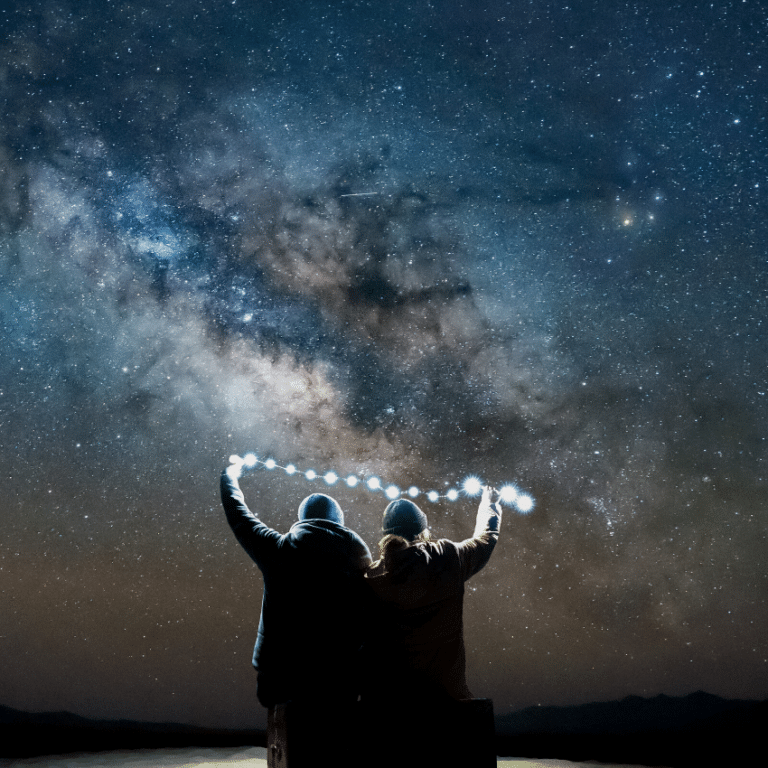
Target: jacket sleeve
(474,553)
(257,539)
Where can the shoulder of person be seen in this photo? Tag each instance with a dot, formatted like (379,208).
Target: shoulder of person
(437,548)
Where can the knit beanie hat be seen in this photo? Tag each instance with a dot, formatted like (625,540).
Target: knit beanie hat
(404,518)
(318,506)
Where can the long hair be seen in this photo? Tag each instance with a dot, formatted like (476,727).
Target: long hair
(392,543)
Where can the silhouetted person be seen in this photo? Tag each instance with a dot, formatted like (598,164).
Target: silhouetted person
(417,656)
(311,627)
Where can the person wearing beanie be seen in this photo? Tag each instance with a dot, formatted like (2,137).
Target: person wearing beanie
(421,710)
(312,623)
(418,648)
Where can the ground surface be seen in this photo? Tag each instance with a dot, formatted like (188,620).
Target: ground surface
(253,757)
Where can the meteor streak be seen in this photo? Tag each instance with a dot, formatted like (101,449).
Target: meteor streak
(471,486)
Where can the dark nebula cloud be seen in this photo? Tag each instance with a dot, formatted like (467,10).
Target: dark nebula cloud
(418,241)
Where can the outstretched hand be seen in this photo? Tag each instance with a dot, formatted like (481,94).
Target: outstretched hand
(235,468)
(487,492)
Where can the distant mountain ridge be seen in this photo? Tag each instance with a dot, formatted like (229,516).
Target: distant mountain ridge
(629,715)
(28,734)
(694,731)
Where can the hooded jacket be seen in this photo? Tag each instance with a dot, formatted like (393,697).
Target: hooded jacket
(420,586)
(314,600)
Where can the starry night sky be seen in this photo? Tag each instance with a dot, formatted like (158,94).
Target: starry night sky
(418,240)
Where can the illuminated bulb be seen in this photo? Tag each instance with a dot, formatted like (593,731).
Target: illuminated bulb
(235,459)
(270,463)
(433,495)
(291,470)
(374,483)
(452,495)
(330,477)
(472,486)
(508,494)
(310,474)
(250,459)
(524,503)
(352,481)
(392,492)
(413,491)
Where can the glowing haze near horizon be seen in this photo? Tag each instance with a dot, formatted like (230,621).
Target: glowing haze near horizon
(418,241)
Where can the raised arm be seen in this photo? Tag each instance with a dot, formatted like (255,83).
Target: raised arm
(476,552)
(256,538)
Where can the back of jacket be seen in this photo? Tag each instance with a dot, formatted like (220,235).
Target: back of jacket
(315,601)
(420,625)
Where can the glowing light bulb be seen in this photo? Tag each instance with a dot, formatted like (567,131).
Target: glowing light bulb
(310,474)
(235,459)
(452,495)
(524,503)
(433,495)
(250,460)
(508,494)
(270,463)
(373,483)
(392,492)
(472,486)
(291,470)
(413,491)
(330,477)
(352,481)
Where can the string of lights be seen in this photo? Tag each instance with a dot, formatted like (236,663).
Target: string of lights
(508,494)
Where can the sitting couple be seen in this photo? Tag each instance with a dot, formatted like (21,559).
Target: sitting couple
(336,626)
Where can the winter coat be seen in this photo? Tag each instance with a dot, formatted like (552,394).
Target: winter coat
(314,598)
(419,643)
